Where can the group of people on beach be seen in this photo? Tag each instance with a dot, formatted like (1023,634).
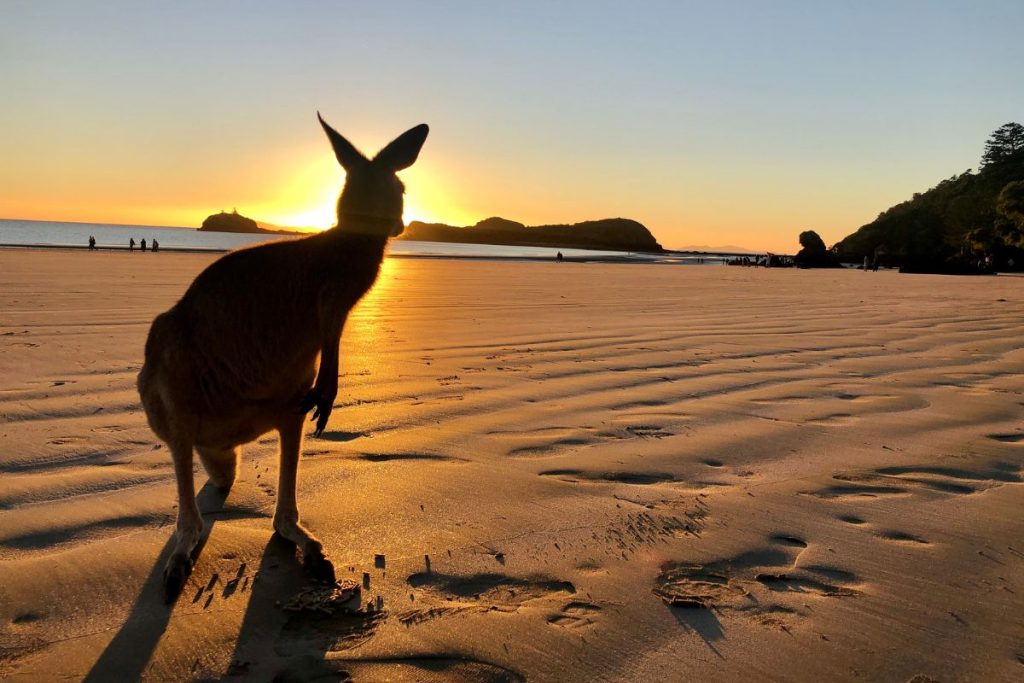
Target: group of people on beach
(142,244)
(131,244)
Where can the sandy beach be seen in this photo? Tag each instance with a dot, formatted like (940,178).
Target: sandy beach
(538,471)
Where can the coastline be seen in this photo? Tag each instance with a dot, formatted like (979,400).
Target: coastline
(644,258)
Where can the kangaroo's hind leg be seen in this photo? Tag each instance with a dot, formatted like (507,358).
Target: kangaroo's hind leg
(221,464)
(286,516)
(190,521)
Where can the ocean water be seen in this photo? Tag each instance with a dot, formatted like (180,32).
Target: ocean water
(53,233)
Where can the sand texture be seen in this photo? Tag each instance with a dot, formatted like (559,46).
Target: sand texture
(538,471)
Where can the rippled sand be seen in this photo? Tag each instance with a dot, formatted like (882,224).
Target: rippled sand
(822,471)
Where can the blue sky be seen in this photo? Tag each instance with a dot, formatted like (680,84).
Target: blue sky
(712,123)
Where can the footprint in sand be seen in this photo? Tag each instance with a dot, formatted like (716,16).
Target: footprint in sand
(755,584)
(575,615)
(446,594)
(634,478)
(648,431)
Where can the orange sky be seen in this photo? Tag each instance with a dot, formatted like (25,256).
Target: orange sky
(734,123)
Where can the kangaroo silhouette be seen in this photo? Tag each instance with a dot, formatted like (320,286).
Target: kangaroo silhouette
(236,357)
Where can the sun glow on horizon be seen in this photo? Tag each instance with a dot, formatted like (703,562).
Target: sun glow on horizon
(310,186)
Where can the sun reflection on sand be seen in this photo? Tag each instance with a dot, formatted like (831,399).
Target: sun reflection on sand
(368,328)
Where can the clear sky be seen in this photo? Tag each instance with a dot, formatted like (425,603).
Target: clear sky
(713,123)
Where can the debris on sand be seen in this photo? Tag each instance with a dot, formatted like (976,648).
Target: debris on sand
(343,596)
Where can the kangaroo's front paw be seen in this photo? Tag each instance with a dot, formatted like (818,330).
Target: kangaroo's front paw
(176,573)
(316,564)
(323,406)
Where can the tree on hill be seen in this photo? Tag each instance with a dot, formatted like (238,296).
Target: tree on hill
(1007,142)
(957,220)
(1008,228)
(1011,202)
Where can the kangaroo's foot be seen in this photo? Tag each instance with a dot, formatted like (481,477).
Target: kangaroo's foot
(313,558)
(179,564)
(316,563)
(176,573)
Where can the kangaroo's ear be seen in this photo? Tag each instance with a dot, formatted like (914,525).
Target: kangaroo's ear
(403,150)
(348,156)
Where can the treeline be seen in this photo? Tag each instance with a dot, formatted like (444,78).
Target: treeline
(970,218)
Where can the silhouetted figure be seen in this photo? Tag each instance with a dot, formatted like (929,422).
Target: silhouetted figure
(156,245)
(236,357)
(142,244)
(559,257)
(131,244)
(92,242)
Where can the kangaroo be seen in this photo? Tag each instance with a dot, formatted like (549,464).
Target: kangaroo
(236,357)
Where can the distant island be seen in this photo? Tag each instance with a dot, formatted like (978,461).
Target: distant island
(969,223)
(611,234)
(236,222)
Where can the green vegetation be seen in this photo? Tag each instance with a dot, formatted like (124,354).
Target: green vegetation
(613,234)
(958,222)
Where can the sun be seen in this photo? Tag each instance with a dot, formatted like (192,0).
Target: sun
(306,196)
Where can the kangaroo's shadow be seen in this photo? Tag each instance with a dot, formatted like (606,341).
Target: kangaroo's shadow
(127,655)
(272,642)
(275,643)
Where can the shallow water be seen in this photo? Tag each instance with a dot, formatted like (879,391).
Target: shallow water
(63,234)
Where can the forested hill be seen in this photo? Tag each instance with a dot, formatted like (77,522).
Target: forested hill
(967,214)
(614,234)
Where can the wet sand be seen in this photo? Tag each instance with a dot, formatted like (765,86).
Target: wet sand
(539,471)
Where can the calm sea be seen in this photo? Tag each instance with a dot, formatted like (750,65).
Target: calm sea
(53,233)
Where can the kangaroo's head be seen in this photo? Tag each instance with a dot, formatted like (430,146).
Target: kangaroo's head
(371,201)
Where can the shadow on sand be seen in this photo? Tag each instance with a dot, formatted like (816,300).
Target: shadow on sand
(128,653)
(703,622)
(271,644)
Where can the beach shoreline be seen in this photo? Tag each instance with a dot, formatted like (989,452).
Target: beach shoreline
(627,258)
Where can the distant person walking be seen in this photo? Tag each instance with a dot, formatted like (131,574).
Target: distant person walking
(142,245)
(131,244)
(559,257)
(92,242)
(156,245)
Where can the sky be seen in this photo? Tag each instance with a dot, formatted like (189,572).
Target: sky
(713,123)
